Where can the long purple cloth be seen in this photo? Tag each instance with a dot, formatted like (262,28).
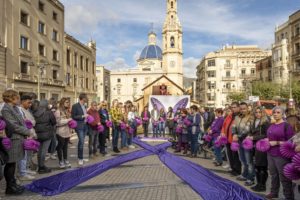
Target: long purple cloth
(208,185)
(62,182)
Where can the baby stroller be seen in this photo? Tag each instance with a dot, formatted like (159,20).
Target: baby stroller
(204,146)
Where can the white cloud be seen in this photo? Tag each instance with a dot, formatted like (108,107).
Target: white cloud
(110,22)
(116,64)
(136,55)
(189,66)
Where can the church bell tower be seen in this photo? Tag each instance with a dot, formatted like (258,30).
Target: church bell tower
(172,44)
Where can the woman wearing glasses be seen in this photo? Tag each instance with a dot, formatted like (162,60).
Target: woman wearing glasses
(278,133)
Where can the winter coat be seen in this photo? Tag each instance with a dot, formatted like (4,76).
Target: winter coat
(259,132)
(16,131)
(62,120)
(227,127)
(45,123)
(95,114)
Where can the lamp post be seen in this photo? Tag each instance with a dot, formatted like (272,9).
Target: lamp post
(290,84)
(40,66)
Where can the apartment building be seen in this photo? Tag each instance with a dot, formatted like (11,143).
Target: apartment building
(35,51)
(225,71)
(103,84)
(80,68)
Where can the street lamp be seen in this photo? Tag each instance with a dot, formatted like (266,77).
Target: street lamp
(41,65)
(290,84)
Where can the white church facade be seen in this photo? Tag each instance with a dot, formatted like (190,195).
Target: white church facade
(153,62)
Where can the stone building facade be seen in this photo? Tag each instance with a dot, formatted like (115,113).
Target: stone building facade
(225,71)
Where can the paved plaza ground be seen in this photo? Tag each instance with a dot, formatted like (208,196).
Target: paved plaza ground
(142,179)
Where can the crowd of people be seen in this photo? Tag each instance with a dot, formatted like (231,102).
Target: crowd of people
(50,125)
(237,123)
(187,127)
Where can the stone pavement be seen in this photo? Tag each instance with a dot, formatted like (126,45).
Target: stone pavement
(143,179)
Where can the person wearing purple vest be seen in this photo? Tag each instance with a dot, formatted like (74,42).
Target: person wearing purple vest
(278,133)
(215,131)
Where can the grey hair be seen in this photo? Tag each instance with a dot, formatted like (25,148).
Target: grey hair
(278,108)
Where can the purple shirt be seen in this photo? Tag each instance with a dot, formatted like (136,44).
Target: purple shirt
(216,126)
(276,133)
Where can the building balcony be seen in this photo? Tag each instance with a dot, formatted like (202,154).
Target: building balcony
(50,81)
(58,82)
(210,102)
(296,54)
(25,77)
(248,76)
(228,66)
(229,90)
(228,78)
(296,36)
(232,90)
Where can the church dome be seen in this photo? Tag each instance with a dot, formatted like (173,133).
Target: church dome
(151,52)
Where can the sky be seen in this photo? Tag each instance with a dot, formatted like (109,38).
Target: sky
(120,27)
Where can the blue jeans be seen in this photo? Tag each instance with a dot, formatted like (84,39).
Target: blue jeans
(23,164)
(217,152)
(246,158)
(161,128)
(42,152)
(93,141)
(155,130)
(81,135)
(194,143)
(116,133)
(123,138)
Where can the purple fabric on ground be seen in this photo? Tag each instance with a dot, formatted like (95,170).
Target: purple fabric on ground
(65,181)
(208,185)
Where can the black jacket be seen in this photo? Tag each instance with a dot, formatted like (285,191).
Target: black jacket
(45,123)
(259,133)
(3,154)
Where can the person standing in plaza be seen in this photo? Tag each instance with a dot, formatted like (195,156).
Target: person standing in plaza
(155,120)
(278,133)
(116,117)
(25,173)
(215,130)
(259,129)
(170,122)
(195,129)
(44,128)
(53,144)
(136,115)
(104,117)
(93,132)
(226,131)
(132,124)
(241,129)
(183,136)
(162,122)
(79,114)
(146,116)
(63,132)
(16,130)
(124,131)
